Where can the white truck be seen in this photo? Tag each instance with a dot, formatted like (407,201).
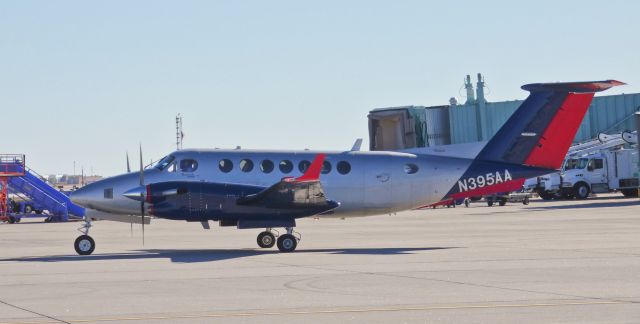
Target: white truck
(593,168)
(600,172)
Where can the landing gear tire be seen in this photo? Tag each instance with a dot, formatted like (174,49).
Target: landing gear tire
(12,220)
(581,191)
(490,203)
(525,201)
(502,202)
(84,245)
(287,243)
(266,240)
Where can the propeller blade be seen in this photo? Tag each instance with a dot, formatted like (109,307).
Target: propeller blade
(141,168)
(142,193)
(130,216)
(142,220)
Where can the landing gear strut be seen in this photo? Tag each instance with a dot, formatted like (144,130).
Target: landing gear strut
(84,244)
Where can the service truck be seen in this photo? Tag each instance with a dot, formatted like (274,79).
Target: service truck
(599,172)
(597,166)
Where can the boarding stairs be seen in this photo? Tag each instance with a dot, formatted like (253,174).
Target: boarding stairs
(28,183)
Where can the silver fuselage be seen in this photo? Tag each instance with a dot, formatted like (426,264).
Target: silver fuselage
(377,183)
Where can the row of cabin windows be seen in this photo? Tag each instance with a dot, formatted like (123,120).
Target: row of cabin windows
(267,166)
(285,166)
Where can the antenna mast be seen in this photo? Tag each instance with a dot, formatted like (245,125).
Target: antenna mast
(179,133)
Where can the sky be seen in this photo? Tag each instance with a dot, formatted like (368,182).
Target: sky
(85,82)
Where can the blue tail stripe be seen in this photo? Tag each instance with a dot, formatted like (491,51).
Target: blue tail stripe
(532,117)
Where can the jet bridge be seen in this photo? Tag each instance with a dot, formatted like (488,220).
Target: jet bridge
(17,178)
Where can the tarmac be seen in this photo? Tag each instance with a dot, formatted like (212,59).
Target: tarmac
(547,262)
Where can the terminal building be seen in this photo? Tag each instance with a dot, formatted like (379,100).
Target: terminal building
(478,120)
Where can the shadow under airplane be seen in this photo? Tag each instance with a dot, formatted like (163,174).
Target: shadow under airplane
(192,256)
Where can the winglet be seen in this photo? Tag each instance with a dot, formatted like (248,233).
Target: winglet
(313,172)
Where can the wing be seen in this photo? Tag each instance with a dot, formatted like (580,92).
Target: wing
(305,192)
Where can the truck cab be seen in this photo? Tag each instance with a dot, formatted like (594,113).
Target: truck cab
(583,175)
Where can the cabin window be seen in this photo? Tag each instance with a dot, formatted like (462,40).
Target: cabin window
(108,193)
(303,166)
(410,168)
(266,166)
(326,167)
(225,165)
(188,165)
(285,166)
(343,167)
(246,165)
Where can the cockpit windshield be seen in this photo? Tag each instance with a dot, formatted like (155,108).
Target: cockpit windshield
(164,162)
(576,164)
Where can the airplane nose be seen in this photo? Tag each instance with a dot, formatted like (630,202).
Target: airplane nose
(83,196)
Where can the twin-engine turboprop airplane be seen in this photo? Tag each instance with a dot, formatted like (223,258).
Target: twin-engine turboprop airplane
(270,189)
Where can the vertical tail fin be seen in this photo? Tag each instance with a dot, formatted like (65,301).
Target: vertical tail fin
(540,132)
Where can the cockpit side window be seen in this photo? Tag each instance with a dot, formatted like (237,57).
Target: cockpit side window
(164,162)
(188,165)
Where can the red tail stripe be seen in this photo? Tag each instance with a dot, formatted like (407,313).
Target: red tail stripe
(557,137)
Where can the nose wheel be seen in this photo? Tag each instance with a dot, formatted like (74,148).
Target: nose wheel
(84,244)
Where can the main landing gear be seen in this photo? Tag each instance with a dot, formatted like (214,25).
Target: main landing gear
(286,242)
(84,244)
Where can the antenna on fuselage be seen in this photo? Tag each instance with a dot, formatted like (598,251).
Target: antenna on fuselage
(179,133)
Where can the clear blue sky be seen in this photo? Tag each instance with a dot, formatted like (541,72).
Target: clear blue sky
(86,81)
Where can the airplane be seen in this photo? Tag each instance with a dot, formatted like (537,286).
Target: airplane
(257,189)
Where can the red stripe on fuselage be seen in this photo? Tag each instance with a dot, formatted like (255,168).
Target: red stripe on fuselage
(554,143)
(507,186)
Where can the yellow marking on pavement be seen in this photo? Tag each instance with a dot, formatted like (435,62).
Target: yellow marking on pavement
(318,312)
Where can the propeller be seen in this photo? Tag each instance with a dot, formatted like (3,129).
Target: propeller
(142,193)
(131,216)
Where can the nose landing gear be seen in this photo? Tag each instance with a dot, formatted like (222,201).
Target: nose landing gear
(84,244)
